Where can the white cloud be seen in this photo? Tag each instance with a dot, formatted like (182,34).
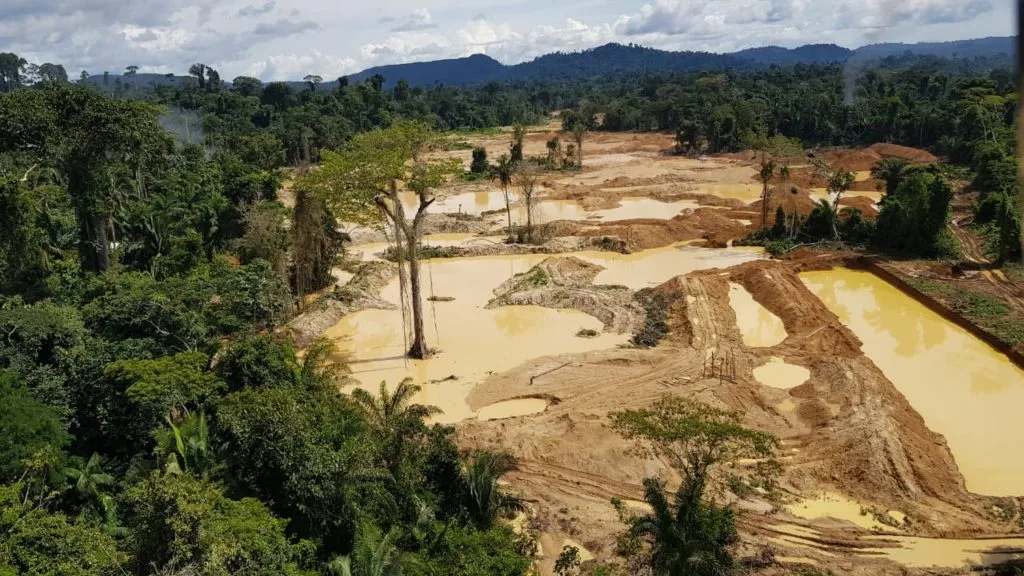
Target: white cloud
(295,66)
(420,19)
(279,38)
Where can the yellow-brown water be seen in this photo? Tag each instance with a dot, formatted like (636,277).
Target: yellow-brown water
(943,553)
(512,408)
(778,374)
(545,210)
(758,326)
(838,507)
(474,341)
(964,389)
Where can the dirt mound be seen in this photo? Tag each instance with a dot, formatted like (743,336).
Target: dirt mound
(567,283)
(362,292)
(454,224)
(643,234)
(846,430)
(862,204)
(915,155)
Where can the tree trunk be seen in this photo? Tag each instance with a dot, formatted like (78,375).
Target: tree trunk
(529,217)
(419,344)
(508,210)
(102,247)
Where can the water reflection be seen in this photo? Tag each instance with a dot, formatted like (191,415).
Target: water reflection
(964,389)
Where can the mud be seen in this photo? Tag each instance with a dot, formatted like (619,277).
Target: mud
(360,292)
(854,434)
(568,283)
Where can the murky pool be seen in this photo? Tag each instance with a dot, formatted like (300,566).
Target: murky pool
(778,374)
(546,210)
(474,341)
(512,408)
(838,507)
(759,327)
(964,389)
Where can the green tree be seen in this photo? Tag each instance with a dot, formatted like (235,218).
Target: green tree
(309,455)
(504,171)
(82,135)
(375,554)
(839,182)
(579,132)
(394,419)
(479,164)
(516,148)
(91,485)
(369,169)
(185,447)
(28,429)
(765,174)
(485,499)
(689,535)
(35,542)
(187,525)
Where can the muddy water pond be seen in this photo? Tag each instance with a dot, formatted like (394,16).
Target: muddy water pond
(545,210)
(512,408)
(964,389)
(474,341)
(778,374)
(759,327)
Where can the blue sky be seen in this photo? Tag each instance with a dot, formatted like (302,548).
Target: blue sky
(287,39)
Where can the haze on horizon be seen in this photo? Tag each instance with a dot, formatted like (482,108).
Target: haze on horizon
(287,39)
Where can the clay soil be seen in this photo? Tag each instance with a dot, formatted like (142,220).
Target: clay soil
(846,430)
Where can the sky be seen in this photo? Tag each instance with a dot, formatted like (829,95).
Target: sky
(288,39)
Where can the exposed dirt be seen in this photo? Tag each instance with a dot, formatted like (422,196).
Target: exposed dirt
(568,283)
(362,292)
(848,429)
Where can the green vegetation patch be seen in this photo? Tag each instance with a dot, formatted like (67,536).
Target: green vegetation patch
(988,312)
(655,325)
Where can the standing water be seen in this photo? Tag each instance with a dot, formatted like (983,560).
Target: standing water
(474,341)
(964,389)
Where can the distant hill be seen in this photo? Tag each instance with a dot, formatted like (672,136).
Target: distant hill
(474,69)
(992,46)
(808,54)
(618,58)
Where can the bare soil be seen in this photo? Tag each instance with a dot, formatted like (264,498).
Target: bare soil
(849,430)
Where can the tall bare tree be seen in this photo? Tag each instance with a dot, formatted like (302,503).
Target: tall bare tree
(526,176)
(579,132)
(503,171)
(366,175)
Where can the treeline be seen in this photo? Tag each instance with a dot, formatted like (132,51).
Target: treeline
(148,422)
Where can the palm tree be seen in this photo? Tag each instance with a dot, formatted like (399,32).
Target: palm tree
(394,419)
(516,148)
(766,174)
(687,536)
(90,482)
(316,370)
(579,131)
(374,554)
(186,447)
(839,182)
(503,171)
(484,499)
(892,171)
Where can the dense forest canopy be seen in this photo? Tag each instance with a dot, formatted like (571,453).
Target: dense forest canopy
(151,425)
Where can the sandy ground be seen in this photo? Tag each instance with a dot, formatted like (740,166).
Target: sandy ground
(846,431)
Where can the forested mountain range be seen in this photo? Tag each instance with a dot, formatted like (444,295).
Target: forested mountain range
(618,58)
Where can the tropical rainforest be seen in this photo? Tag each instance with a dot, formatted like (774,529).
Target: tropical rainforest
(152,423)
